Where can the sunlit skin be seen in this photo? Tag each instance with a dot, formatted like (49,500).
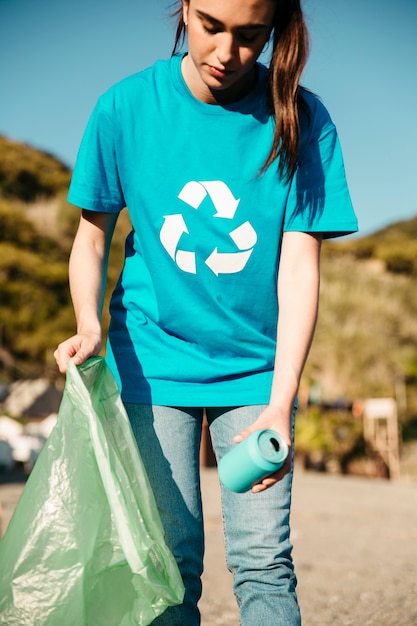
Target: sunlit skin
(225,39)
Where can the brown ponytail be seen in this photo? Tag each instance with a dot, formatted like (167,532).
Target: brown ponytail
(289,56)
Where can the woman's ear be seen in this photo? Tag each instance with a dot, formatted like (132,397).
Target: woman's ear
(185,7)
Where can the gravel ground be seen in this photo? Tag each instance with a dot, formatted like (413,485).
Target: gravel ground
(355,551)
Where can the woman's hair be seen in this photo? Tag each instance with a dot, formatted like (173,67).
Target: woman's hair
(289,55)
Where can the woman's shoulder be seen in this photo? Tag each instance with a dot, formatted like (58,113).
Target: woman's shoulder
(316,123)
(136,92)
(148,76)
(312,107)
(138,87)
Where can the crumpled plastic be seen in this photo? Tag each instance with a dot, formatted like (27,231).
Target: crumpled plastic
(85,545)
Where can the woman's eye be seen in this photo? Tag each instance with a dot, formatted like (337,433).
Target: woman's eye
(244,38)
(247,38)
(211,30)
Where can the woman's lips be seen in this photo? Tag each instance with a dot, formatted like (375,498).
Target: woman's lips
(218,72)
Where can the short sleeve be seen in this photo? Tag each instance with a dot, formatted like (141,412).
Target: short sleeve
(319,199)
(95,183)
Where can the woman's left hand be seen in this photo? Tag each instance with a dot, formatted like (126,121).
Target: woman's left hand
(280,421)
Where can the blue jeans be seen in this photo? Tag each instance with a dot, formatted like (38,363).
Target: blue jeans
(256,526)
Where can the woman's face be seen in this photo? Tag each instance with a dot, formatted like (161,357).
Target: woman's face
(225,38)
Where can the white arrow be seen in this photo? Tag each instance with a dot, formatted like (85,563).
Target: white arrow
(244,236)
(223,199)
(193,194)
(171,232)
(186,261)
(227,262)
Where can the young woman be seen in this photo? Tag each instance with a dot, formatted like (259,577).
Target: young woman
(232,175)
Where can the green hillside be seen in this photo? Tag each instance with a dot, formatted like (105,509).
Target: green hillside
(366,340)
(395,246)
(27,174)
(37,227)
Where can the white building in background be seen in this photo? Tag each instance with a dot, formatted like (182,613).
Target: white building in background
(37,401)
(21,444)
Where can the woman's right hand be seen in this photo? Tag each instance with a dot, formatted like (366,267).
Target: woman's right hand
(90,250)
(79,348)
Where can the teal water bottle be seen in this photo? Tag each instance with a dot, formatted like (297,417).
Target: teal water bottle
(259,455)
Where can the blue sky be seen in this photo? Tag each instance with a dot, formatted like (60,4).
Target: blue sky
(58,56)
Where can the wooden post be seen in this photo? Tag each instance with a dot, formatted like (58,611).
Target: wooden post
(380,429)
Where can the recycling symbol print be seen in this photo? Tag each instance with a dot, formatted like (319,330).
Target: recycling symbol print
(219,261)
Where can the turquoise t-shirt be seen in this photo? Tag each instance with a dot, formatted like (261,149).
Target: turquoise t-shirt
(194,313)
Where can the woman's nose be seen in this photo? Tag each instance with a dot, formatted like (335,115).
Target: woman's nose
(225,49)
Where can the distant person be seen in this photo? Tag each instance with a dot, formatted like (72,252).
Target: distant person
(232,174)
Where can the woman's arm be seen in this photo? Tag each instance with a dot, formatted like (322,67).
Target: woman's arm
(298,296)
(87,277)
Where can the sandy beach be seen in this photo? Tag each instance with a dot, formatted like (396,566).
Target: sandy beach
(355,552)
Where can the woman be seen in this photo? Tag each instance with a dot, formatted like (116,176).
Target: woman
(232,175)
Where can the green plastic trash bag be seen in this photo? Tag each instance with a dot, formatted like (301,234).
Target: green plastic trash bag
(85,546)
